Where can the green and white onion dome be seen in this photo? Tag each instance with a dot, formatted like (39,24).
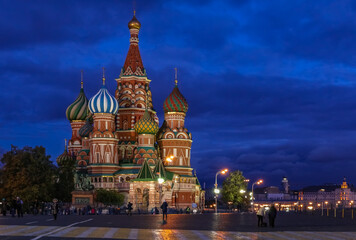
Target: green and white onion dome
(103,102)
(78,110)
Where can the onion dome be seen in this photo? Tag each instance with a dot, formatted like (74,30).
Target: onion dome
(65,156)
(78,110)
(175,102)
(146,125)
(134,23)
(86,129)
(103,102)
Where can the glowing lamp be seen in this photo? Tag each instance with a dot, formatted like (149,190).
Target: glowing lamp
(216,190)
(160,180)
(242,191)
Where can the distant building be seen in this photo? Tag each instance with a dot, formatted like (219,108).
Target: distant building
(282,198)
(328,195)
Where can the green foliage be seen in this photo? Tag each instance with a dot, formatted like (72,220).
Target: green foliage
(27,173)
(109,197)
(65,180)
(231,190)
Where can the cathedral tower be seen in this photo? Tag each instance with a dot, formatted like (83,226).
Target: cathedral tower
(102,141)
(146,129)
(131,93)
(76,113)
(173,138)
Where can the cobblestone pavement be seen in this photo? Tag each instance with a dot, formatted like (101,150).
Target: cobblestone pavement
(56,232)
(208,226)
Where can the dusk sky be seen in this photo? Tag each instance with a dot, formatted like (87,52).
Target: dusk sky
(270,84)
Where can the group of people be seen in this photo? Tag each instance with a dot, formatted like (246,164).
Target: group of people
(270,212)
(164,208)
(15,206)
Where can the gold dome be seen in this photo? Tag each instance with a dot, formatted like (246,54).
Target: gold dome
(134,23)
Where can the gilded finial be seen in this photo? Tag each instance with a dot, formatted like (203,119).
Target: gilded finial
(81,78)
(176,76)
(134,12)
(103,76)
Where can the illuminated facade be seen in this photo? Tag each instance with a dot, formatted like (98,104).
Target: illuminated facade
(328,195)
(118,144)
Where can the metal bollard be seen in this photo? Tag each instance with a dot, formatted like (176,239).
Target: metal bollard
(334,212)
(343,213)
(327,212)
(352,213)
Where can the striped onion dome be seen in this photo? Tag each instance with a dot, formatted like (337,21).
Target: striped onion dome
(86,129)
(175,102)
(146,125)
(78,110)
(64,157)
(103,102)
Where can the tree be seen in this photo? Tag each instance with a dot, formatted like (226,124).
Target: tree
(27,173)
(231,192)
(109,197)
(65,184)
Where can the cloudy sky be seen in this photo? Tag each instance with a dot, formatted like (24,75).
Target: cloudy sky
(270,84)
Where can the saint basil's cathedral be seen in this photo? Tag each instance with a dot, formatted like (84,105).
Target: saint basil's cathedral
(118,145)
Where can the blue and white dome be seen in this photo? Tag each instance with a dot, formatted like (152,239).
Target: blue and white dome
(103,102)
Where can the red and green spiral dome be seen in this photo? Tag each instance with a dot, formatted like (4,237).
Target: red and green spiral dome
(175,102)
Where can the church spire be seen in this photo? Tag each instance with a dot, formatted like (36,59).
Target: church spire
(176,76)
(133,64)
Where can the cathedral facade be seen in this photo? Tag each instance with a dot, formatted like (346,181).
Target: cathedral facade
(118,144)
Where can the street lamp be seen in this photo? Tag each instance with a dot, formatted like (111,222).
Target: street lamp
(160,181)
(216,190)
(242,191)
(258,183)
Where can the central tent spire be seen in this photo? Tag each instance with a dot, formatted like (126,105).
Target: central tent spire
(133,65)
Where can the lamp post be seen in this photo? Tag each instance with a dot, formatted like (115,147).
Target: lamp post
(258,183)
(216,190)
(160,181)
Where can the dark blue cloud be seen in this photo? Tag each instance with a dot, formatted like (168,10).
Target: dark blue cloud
(270,85)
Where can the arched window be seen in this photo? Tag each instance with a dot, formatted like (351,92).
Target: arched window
(125,125)
(97,157)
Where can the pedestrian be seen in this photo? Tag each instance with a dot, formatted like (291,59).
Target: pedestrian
(13,207)
(260,215)
(55,208)
(187,210)
(19,204)
(4,207)
(129,209)
(164,208)
(272,215)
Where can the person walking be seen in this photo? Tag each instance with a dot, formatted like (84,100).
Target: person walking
(272,215)
(4,207)
(55,208)
(19,204)
(129,209)
(260,214)
(164,208)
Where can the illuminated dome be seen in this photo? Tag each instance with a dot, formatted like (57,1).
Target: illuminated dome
(146,125)
(175,102)
(134,23)
(78,110)
(103,102)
